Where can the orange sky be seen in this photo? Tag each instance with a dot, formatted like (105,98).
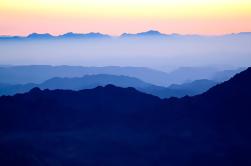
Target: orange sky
(209,17)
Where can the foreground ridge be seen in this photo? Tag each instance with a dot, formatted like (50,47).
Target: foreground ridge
(113,126)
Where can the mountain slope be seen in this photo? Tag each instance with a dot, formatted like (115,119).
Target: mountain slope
(121,126)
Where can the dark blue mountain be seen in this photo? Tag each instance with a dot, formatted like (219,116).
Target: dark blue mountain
(121,126)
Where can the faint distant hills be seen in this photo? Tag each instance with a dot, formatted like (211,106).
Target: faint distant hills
(47,36)
(93,81)
(41,73)
(72,35)
(96,35)
(150,33)
(188,74)
(40,36)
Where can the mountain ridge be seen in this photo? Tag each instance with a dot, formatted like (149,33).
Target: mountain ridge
(40,73)
(92,81)
(89,35)
(111,125)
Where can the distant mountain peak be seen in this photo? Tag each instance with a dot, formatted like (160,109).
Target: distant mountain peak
(97,35)
(38,36)
(150,33)
(70,35)
(86,35)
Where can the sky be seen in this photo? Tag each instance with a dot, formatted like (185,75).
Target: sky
(114,17)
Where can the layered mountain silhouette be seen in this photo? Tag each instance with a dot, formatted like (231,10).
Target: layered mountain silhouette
(40,73)
(92,81)
(122,126)
(76,83)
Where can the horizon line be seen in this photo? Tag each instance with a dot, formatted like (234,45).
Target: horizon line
(92,32)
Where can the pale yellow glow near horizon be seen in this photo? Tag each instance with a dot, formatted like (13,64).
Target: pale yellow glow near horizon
(95,12)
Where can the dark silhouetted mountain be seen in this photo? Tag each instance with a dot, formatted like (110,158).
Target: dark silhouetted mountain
(121,126)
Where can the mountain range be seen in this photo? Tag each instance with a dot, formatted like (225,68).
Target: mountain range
(97,35)
(47,36)
(92,81)
(122,126)
(40,73)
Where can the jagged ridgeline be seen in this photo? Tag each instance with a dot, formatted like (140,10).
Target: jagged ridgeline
(122,126)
